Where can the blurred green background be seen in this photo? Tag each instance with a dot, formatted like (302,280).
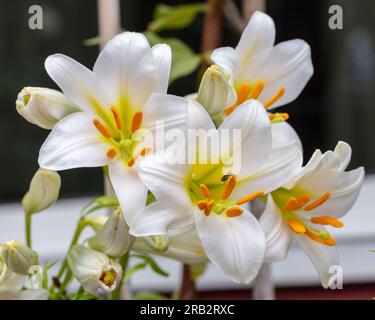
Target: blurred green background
(336,105)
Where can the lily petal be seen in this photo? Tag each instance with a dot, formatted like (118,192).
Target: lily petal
(323,257)
(256,138)
(129,189)
(79,84)
(283,163)
(163,60)
(235,245)
(158,218)
(126,66)
(284,134)
(227,59)
(278,235)
(199,117)
(344,188)
(74,142)
(289,66)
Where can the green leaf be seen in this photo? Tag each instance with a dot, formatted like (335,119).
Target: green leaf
(130,271)
(151,262)
(177,17)
(149,296)
(184,60)
(99,203)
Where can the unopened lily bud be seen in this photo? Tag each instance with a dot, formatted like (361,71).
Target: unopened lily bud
(215,93)
(18,257)
(158,243)
(9,280)
(43,192)
(94,270)
(113,239)
(43,107)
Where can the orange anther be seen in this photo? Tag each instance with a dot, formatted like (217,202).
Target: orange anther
(296,225)
(275,98)
(317,202)
(229,187)
(250,197)
(327,220)
(137,121)
(204,190)
(111,153)
(116,116)
(101,128)
(234,212)
(257,90)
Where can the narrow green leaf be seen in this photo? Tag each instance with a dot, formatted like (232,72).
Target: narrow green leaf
(130,271)
(99,203)
(152,263)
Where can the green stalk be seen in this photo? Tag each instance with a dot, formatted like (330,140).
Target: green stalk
(123,262)
(28,228)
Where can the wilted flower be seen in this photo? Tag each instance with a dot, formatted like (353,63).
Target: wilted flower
(19,257)
(113,239)
(43,192)
(43,107)
(94,270)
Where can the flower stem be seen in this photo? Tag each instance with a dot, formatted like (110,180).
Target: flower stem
(188,290)
(116,295)
(28,228)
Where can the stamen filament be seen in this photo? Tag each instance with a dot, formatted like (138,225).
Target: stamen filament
(242,96)
(250,197)
(327,220)
(257,90)
(137,121)
(111,153)
(229,187)
(101,128)
(317,202)
(296,226)
(275,98)
(204,190)
(116,115)
(234,212)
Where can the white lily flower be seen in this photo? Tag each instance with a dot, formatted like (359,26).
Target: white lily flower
(275,75)
(120,101)
(18,257)
(94,270)
(43,191)
(320,194)
(182,245)
(43,107)
(214,199)
(113,239)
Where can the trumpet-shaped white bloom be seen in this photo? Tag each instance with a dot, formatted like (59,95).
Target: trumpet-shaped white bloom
(213,198)
(120,101)
(94,270)
(260,70)
(318,196)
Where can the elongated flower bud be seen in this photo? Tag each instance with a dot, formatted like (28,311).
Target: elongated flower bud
(43,192)
(9,280)
(215,93)
(18,257)
(113,239)
(94,270)
(43,107)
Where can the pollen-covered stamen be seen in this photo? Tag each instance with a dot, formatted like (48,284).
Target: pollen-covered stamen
(259,86)
(135,157)
(108,278)
(278,117)
(327,221)
(275,98)
(250,197)
(116,116)
(296,225)
(202,204)
(111,153)
(101,128)
(229,187)
(317,202)
(137,121)
(207,210)
(204,190)
(234,212)
(242,96)
(321,237)
(296,203)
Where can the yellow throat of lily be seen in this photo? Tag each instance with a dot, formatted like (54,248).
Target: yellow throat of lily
(294,203)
